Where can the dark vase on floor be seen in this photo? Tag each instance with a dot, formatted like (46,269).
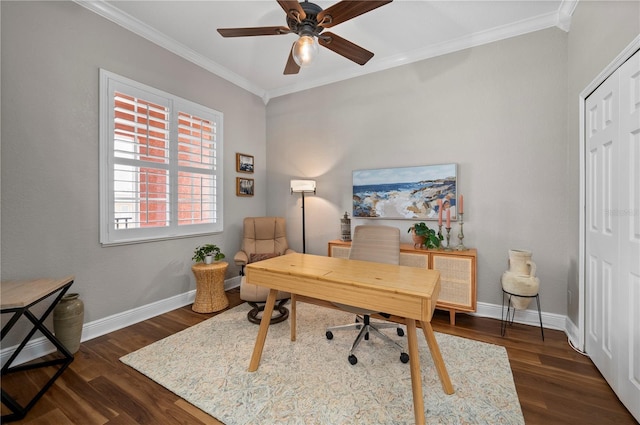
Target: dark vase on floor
(68,318)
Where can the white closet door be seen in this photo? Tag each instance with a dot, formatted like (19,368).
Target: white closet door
(629,219)
(601,229)
(612,234)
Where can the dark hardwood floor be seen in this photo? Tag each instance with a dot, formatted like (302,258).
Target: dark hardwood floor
(555,384)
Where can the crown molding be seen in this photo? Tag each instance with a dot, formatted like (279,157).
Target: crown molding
(115,15)
(565,12)
(477,39)
(560,19)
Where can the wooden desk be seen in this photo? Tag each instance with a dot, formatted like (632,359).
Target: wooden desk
(457,273)
(407,292)
(18,297)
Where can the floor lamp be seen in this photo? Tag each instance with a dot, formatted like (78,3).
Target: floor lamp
(303,186)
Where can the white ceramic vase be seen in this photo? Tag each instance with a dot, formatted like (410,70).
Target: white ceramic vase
(521,278)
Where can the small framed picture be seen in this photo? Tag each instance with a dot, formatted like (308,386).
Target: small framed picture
(244,163)
(244,187)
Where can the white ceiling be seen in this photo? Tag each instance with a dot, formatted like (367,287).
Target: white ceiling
(398,33)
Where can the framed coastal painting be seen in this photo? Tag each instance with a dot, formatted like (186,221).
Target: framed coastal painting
(244,163)
(244,187)
(406,192)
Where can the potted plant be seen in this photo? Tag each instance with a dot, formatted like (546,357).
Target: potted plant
(207,253)
(423,235)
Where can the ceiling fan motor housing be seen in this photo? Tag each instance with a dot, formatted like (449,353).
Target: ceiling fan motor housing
(308,25)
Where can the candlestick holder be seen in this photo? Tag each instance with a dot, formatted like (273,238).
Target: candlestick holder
(448,248)
(460,246)
(440,237)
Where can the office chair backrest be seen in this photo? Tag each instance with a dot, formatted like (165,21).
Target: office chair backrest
(380,244)
(264,235)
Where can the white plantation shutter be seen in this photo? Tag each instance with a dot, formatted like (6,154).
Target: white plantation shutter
(197,185)
(160,167)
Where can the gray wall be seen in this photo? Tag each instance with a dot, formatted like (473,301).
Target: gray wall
(599,32)
(498,111)
(51,55)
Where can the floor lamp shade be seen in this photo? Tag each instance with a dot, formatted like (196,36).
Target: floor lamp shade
(303,186)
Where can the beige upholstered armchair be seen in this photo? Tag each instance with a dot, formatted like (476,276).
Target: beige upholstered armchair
(263,238)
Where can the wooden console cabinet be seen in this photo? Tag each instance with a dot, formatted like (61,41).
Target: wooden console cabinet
(457,273)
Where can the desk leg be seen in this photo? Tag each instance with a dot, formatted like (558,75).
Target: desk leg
(262,333)
(293,317)
(437,357)
(416,375)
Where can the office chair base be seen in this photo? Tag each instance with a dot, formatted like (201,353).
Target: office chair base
(366,328)
(254,315)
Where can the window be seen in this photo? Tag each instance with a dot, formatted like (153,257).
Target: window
(160,164)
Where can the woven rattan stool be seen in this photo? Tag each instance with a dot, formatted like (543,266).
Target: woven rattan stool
(210,295)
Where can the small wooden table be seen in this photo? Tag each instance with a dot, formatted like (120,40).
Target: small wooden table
(406,292)
(18,297)
(210,295)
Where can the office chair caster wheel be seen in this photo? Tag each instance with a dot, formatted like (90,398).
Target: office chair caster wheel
(404,357)
(329,335)
(353,359)
(400,331)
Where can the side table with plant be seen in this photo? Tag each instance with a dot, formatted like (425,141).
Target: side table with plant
(424,236)
(207,253)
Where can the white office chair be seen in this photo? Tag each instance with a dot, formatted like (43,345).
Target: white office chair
(380,244)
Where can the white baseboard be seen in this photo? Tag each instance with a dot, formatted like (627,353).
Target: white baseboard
(574,335)
(526,317)
(41,346)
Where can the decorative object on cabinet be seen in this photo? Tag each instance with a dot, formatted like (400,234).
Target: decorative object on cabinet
(345,227)
(424,236)
(405,193)
(302,187)
(244,187)
(244,163)
(457,273)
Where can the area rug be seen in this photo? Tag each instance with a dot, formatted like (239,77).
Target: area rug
(310,381)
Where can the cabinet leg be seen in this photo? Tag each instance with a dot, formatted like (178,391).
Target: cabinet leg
(452,317)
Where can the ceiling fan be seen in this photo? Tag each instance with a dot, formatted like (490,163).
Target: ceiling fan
(308,20)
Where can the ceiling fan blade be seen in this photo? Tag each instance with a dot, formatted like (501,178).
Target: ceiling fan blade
(345,10)
(248,32)
(288,6)
(291,67)
(345,48)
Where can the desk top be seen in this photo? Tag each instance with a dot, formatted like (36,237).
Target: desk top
(17,294)
(405,291)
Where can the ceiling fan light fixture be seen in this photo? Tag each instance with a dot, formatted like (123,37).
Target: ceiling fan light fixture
(305,50)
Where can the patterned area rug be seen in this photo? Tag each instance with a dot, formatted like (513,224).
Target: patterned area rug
(310,381)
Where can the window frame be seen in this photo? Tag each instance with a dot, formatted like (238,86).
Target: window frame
(109,234)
